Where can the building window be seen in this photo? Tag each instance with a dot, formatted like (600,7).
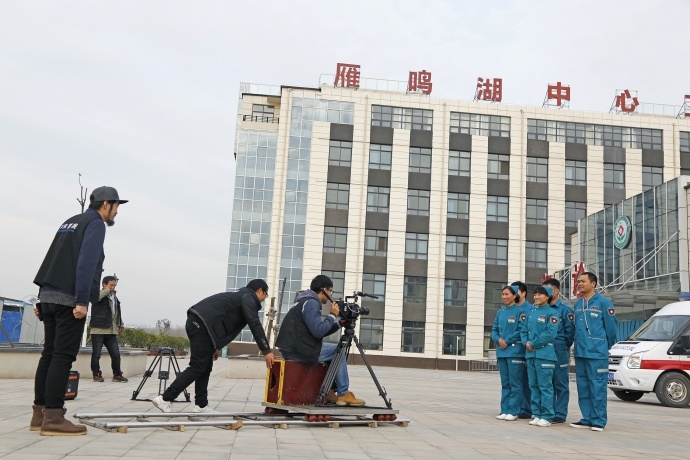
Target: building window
(492,294)
(568,254)
(458,205)
(456,248)
(575,172)
(488,341)
(497,208)
(418,202)
(614,175)
(459,163)
(378,199)
(337,195)
(454,339)
(537,211)
(340,153)
(338,279)
(335,239)
(263,113)
(375,243)
(537,169)
(412,336)
(535,254)
(574,211)
(402,118)
(375,284)
(414,290)
(652,176)
(479,125)
(371,333)
(604,135)
(496,251)
(455,293)
(684,142)
(416,245)
(499,166)
(420,160)
(380,156)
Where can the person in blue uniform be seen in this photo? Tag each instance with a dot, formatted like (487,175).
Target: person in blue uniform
(510,353)
(562,344)
(526,401)
(538,335)
(596,329)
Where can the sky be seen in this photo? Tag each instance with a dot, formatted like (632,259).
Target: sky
(142,96)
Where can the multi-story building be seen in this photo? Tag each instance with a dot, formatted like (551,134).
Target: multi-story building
(431,204)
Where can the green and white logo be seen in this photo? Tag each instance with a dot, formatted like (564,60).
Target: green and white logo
(622,230)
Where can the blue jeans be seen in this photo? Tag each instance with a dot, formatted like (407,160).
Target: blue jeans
(342,381)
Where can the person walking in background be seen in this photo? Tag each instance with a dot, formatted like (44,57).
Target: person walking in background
(106,324)
(510,353)
(596,329)
(68,280)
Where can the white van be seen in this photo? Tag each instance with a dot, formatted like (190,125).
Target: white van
(655,358)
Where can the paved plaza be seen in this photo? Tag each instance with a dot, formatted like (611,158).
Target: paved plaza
(451,413)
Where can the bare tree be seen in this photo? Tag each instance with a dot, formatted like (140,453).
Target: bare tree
(163,326)
(82,195)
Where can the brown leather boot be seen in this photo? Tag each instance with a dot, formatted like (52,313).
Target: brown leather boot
(55,424)
(37,418)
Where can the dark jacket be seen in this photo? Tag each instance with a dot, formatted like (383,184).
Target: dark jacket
(102,313)
(226,314)
(74,261)
(303,328)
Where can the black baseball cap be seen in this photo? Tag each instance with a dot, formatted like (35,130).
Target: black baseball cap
(106,193)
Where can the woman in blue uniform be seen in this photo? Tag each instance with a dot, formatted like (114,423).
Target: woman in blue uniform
(538,336)
(510,353)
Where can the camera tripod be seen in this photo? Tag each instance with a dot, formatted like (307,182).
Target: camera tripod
(341,352)
(163,376)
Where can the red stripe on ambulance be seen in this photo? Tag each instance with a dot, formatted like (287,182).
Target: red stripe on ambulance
(664,364)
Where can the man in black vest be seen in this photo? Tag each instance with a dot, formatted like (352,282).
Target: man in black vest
(106,324)
(212,324)
(302,332)
(68,280)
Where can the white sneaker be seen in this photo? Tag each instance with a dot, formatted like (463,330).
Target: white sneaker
(543,422)
(201,411)
(534,421)
(164,406)
(510,418)
(597,428)
(502,416)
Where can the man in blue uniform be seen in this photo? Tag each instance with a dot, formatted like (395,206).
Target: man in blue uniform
(538,335)
(595,334)
(526,403)
(562,343)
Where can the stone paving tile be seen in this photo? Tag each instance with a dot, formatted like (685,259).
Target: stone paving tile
(452,417)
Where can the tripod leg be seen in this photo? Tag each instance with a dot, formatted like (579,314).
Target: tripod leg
(382,392)
(341,351)
(147,374)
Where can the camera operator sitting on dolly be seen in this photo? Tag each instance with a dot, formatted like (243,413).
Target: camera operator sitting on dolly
(302,332)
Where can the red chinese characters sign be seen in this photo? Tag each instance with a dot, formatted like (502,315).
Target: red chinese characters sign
(347,75)
(559,93)
(488,90)
(623,99)
(578,269)
(420,81)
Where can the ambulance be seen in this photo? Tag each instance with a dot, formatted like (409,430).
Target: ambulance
(655,358)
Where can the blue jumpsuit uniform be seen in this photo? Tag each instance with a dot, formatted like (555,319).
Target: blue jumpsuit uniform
(511,361)
(595,333)
(526,403)
(540,331)
(562,343)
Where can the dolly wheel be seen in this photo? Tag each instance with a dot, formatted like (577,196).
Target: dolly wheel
(312,418)
(326,418)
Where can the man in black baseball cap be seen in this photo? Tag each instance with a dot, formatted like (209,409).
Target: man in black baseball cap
(68,280)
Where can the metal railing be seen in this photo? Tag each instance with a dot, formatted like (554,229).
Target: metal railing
(261,118)
(484,365)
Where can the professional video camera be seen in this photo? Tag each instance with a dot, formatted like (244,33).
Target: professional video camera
(350,309)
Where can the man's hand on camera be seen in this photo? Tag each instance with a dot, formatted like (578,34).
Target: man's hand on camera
(270,359)
(216,354)
(334,309)
(37,312)
(80,311)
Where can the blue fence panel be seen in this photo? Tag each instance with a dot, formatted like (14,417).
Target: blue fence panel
(12,322)
(626,328)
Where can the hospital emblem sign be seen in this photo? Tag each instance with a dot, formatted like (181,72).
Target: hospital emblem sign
(622,231)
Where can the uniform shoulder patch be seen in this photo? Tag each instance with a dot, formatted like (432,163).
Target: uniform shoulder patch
(571,317)
(611,311)
(523,317)
(554,319)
